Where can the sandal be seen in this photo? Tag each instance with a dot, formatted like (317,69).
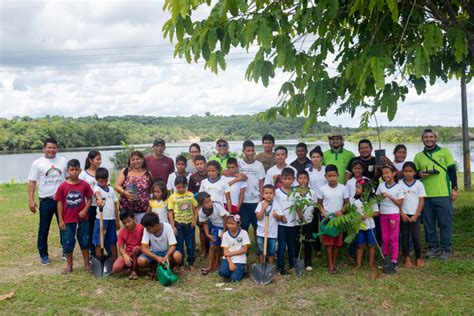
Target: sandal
(66,271)
(332,271)
(133,276)
(204,271)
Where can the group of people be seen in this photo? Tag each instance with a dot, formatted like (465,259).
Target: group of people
(161,202)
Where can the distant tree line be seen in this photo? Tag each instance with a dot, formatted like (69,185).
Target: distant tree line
(25,133)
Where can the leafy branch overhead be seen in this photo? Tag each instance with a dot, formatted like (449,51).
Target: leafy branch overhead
(349,54)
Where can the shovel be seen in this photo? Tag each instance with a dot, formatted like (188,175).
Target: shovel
(102,267)
(263,273)
(386,261)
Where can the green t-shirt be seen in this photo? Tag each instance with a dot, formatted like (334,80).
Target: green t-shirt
(222,161)
(436,185)
(340,160)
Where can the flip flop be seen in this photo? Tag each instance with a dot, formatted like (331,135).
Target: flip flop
(204,271)
(133,276)
(333,271)
(66,271)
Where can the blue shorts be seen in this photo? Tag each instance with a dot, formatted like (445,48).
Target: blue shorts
(271,246)
(214,232)
(156,253)
(110,235)
(365,237)
(73,230)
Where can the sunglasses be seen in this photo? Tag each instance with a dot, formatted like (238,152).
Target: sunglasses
(224,145)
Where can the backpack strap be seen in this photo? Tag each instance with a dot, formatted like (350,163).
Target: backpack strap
(435,162)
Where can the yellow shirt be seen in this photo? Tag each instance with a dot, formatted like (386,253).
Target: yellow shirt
(182,206)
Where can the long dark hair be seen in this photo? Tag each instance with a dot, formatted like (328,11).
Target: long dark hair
(90,156)
(144,166)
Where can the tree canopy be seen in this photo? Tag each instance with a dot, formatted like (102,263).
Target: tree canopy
(349,53)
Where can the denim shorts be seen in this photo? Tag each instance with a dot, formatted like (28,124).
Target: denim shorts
(110,235)
(214,232)
(73,230)
(271,246)
(365,237)
(156,253)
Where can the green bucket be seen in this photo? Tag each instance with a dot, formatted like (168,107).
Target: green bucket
(165,275)
(325,229)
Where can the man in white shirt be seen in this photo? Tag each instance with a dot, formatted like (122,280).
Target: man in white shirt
(47,173)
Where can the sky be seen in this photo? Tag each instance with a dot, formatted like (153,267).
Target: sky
(80,58)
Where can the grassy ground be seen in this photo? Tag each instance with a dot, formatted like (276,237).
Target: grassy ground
(439,288)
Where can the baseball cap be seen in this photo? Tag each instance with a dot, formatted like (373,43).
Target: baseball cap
(335,133)
(159,141)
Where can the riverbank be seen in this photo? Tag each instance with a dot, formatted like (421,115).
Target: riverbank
(43,290)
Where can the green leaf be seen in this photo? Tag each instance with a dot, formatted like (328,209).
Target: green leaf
(460,45)
(212,39)
(179,29)
(421,62)
(378,72)
(393,7)
(264,33)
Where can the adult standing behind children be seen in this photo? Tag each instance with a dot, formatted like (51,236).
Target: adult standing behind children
(267,157)
(134,184)
(337,155)
(369,164)
(93,161)
(437,170)
(302,161)
(47,172)
(194,151)
(222,147)
(158,164)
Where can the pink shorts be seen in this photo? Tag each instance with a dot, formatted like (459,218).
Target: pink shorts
(332,241)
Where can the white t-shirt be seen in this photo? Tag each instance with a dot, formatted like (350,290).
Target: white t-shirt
(317,178)
(48,174)
(272,222)
(351,188)
(254,172)
(170,184)
(369,222)
(387,206)
(308,212)
(161,209)
(333,198)
(237,242)
(285,201)
(399,165)
(216,189)
(235,189)
(160,242)
(110,199)
(411,196)
(90,179)
(217,216)
(274,171)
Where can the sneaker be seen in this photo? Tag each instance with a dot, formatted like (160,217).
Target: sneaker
(309,268)
(432,253)
(63,256)
(395,266)
(283,272)
(444,255)
(44,261)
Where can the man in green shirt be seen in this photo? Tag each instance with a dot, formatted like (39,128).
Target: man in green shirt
(437,170)
(337,155)
(222,147)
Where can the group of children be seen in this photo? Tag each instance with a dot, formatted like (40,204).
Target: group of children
(224,203)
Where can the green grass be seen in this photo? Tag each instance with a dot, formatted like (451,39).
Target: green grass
(439,288)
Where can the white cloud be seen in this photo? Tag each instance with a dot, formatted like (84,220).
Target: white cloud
(163,89)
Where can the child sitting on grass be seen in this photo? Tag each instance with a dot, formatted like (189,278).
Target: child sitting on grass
(366,234)
(212,216)
(235,243)
(158,244)
(129,241)
(74,197)
(106,198)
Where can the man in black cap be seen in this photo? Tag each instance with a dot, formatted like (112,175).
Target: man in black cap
(157,163)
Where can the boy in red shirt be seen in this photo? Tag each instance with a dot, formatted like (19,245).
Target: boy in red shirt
(130,243)
(74,197)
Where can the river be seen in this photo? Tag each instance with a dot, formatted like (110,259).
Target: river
(15,166)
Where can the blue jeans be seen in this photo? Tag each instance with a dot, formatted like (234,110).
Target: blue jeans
(78,230)
(286,239)
(248,216)
(438,211)
(186,236)
(47,208)
(235,275)
(92,212)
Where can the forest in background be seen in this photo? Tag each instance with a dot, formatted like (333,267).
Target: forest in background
(25,133)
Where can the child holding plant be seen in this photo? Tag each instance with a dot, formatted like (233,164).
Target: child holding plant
(332,200)
(366,234)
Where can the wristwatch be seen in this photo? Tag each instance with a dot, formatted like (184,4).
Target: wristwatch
(454,188)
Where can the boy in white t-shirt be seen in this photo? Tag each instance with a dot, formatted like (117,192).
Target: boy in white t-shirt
(106,198)
(267,208)
(158,244)
(286,221)
(181,163)
(333,199)
(235,243)
(273,175)
(237,187)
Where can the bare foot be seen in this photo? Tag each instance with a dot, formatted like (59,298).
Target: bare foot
(420,263)
(181,270)
(408,263)
(191,268)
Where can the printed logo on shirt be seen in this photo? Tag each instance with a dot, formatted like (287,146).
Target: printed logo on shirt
(73,199)
(239,239)
(53,171)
